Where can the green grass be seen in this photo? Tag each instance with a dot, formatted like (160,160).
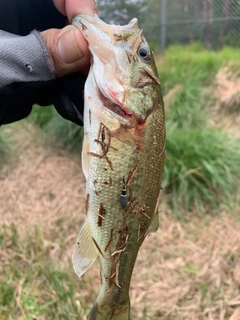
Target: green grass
(4,149)
(64,134)
(33,284)
(203,160)
(182,63)
(203,171)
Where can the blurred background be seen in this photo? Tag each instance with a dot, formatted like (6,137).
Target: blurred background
(214,23)
(192,270)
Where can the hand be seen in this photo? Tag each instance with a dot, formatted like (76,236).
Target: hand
(70,8)
(67,48)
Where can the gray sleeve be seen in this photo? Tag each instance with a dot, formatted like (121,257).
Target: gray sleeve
(23,59)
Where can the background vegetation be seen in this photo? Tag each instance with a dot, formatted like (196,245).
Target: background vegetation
(201,177)
(4,149)
(214,23)
(202,171)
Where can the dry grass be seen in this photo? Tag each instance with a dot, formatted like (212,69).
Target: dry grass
(226,108)
(193,270)
(228,89)
(184,271)
(40,184)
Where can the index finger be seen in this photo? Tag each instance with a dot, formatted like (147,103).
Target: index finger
(74,7)
(71,8)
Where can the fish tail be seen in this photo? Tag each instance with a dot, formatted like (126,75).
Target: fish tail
(122,313)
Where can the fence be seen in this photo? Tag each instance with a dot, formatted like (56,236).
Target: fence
(212,22)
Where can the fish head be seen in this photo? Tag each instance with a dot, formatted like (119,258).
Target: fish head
(123,67)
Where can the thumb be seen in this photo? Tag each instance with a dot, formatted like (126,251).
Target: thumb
(67,50)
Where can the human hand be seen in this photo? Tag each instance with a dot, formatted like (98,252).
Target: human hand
(67,48)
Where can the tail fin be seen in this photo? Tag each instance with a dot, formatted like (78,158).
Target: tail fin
(120,313)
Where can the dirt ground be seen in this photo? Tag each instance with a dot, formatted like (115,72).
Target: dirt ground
(187,270)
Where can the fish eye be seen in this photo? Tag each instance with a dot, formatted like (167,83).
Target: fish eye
(144,53)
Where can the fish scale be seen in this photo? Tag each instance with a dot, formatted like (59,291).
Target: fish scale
(123,154)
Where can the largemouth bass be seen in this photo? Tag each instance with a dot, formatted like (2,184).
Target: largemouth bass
(122,158)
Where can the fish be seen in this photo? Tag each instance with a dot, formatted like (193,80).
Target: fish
(122,158)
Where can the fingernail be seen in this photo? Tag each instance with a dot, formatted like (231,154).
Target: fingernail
(68,49)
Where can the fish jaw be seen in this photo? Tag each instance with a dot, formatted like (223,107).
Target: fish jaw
(102,37)
(130,78)
(101,44)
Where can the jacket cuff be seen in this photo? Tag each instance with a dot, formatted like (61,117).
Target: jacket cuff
(23,59)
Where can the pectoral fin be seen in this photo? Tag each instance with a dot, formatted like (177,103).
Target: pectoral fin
(85,251)
(155,221)
(85,156)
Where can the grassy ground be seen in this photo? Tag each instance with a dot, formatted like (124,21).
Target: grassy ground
(203,160)
(192,269)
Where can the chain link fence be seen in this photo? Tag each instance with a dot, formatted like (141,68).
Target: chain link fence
(213,22)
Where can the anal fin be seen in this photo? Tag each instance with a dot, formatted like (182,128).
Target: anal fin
(85,251)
